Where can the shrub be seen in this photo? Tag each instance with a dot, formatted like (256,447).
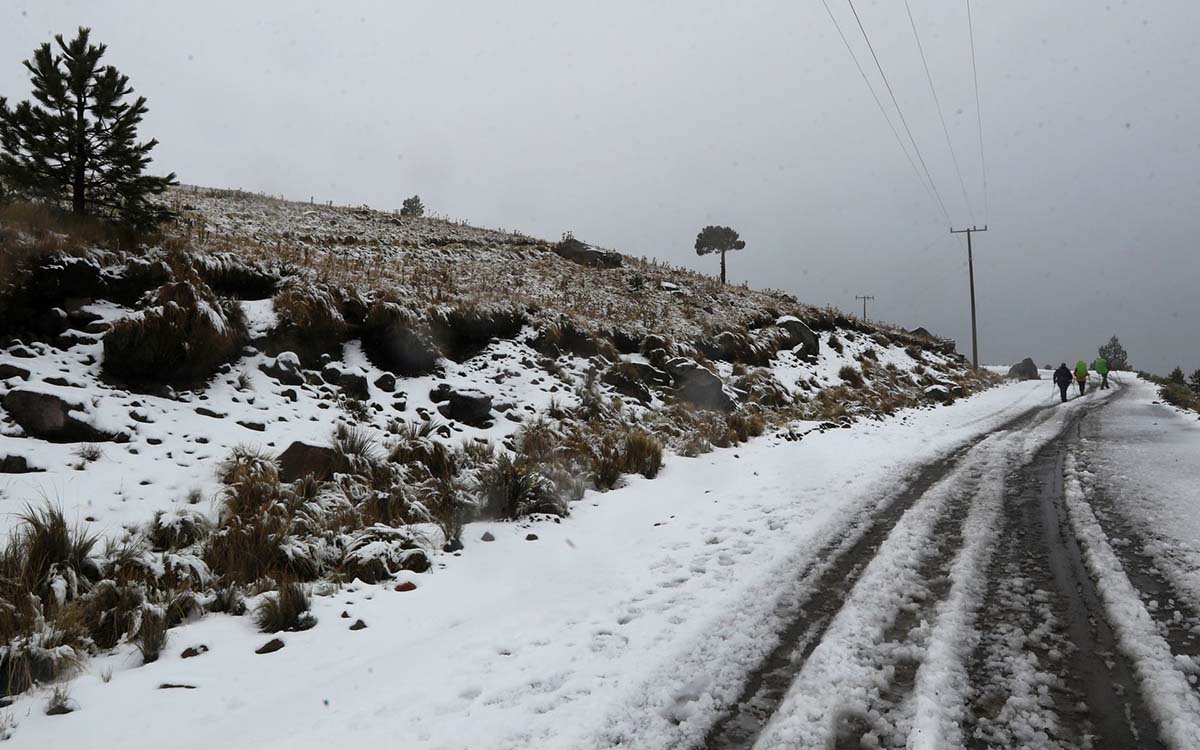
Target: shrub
(59,702)
(376,553)
(181,340)
(512,489)
(41,650)
(355,451)
(448,504)
(151,634)
(643,454)
(111,611)
(46,557)
(417,447)
(287,608)
(538,439)
(177,529)
(851,376)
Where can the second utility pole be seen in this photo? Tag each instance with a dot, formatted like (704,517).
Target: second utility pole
(864,298)
(971,273)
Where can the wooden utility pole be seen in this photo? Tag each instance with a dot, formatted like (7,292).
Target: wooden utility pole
(864,298)
(971,274)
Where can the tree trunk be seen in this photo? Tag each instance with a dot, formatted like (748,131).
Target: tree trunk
(79,171)
(722,266)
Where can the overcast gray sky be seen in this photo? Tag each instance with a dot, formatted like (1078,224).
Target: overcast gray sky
(634,123)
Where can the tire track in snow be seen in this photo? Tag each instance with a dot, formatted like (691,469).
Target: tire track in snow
(867,684)
(734,678)
(1048,672)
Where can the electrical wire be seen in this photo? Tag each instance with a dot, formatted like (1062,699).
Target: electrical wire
(882,111)
(941,116)
(900,112)
(978,114)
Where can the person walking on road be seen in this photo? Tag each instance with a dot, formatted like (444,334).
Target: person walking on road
(1081,375)
(1062,379)
(1101,368)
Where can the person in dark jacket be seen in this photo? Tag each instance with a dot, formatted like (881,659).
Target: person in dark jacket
(1062,378)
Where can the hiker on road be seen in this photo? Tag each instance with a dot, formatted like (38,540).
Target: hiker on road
(1062,379)
(1101,368)
(1081,375)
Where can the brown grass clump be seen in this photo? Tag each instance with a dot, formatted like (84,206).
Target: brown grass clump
(311,322)
(396,340)
(288,608)
(851,376)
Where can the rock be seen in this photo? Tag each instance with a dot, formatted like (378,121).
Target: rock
(16,465)
(355,385)
(406,586)
(56,380)
(531,537)
(699,386)
(469,407)
(290,394)
(939,393)
(270,646)
(285,368)
(256,426)
(21,351)
(97,327)
(204,411)
(301,459)
(358,625)
(1026,369)
(454,545)
(441,394)
(46,416)
(386,382)
(175,685)
(487,537)
(53,322)
(191,651)
(802,335)
(585,255)
(12,371)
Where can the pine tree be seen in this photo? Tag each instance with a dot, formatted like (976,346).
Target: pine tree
(1176,376)
(78,144)
(721,240)
(1194,382)
(1115,354)
(412,207)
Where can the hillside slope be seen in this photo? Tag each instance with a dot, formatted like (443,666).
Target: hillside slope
(271,400)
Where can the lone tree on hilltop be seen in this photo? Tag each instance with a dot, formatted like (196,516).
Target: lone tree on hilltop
(721,240)
(1115,354)
(78,143)
(412,207)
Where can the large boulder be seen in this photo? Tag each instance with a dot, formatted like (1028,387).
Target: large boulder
(53,418)
(468,406)
(804,337)
(699,386)
(285,368)
(1026,369)
(301,459)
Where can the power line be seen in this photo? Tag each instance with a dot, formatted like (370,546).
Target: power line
(978,113)
(864,298)
(882,111)
(900,112)
(941,116)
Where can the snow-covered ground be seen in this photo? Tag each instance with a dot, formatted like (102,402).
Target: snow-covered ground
(564,634)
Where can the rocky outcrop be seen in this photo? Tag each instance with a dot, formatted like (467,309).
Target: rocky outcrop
(585,255)
(698,385)
(802,335)
(50,417)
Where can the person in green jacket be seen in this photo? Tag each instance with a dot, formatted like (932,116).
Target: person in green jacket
(1081,375)
(1101,368)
